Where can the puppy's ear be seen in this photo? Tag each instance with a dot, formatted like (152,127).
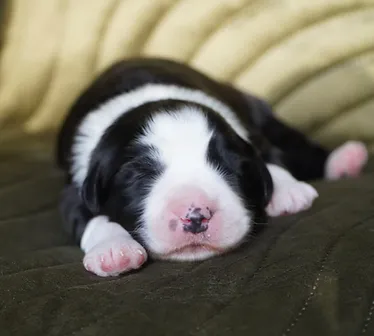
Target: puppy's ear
(93,191)
(96,188)
(257,180)
(268,186)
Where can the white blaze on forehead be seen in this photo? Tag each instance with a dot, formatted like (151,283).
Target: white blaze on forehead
(181,137)
(95,124)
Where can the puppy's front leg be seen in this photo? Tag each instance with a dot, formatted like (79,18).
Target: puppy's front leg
(109,248)
(290,195)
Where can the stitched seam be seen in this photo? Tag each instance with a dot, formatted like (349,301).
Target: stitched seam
(310,296)
(333,244)
(368,318)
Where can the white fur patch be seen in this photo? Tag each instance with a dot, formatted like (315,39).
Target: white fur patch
(181,138)
(98,229)
(109,248)
(290,195)
(94,125)
(181,143)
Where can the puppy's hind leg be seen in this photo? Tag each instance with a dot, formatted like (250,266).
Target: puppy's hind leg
(291,196)
(346,160)
(307,160)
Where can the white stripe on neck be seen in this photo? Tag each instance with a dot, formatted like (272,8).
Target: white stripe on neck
(97,121)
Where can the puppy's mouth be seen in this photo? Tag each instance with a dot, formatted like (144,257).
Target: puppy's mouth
(191,249)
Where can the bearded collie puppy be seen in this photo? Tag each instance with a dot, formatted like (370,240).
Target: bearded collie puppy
(163,161)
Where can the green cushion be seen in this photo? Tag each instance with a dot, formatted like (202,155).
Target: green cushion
(308,274)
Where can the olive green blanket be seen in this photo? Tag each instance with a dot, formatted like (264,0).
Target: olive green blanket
(309,274)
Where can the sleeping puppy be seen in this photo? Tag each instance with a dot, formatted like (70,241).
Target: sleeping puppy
(163,161)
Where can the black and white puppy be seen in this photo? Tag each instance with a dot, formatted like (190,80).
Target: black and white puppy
(162,160)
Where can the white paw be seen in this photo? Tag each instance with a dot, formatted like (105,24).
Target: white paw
(291,197)
(347,160)
(115,256)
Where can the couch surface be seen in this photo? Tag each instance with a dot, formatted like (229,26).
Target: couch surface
(313,60)
(308,274)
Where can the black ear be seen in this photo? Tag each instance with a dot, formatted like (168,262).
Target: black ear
(93,190)
(268,186)
(96,188)
(257,181)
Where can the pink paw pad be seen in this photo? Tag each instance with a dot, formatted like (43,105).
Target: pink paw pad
(112,263)
(115,256)
(346,161)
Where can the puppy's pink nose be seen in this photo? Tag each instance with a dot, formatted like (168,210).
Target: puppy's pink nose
(194,209)
(196,220)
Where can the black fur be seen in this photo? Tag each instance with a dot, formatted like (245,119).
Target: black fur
(120,171)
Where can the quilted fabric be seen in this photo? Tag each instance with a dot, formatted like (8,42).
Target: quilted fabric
(313,60)
(310,274)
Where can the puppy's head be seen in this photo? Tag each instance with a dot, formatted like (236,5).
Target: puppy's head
(191,183)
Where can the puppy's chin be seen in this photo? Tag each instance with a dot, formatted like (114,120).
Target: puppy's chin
(192,252)
(195,251)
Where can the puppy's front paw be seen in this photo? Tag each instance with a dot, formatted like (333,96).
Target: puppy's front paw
(115,256)
(290,198)
(347,160)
